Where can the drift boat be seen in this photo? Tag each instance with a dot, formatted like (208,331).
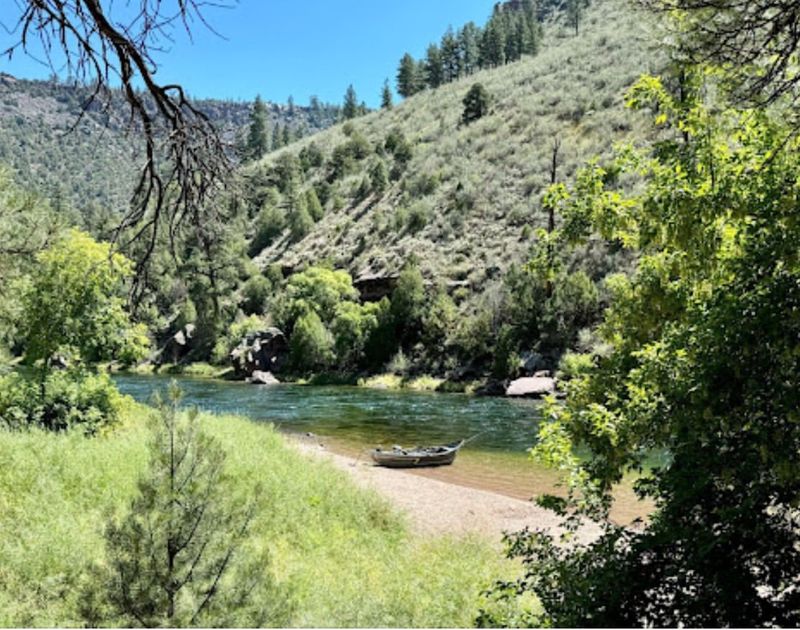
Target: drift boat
(417,457)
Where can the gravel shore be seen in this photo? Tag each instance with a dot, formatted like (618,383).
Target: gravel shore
(435,507)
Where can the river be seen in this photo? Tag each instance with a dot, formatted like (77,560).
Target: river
(350,420)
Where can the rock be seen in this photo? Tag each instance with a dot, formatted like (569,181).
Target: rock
(542,374)
(262,378)
(262,351)
(177,346)
(530,362)
(531,387)
(492,388)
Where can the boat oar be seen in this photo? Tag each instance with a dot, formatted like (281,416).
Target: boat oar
(477,435)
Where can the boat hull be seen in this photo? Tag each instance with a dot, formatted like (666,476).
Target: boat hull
(400,459)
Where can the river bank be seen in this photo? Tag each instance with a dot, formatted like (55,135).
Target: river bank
(436,507)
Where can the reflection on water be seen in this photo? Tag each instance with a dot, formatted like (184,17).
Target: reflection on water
(350,420)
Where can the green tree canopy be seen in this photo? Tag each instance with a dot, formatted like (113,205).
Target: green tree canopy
(476,104)
(74,303)
(703,366)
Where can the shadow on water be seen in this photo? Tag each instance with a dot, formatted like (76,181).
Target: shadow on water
(350,420)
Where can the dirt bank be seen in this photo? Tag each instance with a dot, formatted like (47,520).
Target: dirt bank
(435,507)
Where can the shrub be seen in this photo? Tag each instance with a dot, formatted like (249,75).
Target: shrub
(73,398)
(255,293)
(574,364)
(419,215)
(269,224)
(311,344)
(476,104)
(378,177)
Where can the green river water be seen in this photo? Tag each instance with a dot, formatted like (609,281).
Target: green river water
(349,420)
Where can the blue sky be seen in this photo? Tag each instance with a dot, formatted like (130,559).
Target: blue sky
(282,47)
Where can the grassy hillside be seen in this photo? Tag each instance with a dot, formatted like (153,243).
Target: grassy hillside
(91,167)
(343,554)
(467,200)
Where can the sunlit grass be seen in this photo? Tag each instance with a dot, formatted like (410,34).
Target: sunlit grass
(344,552)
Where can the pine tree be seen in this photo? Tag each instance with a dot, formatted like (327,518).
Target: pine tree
(257,143)
(286,135)
(277,137)
(386,96)
(407,77)
(469,48)
(451,62)
(493,44)
(476,104)
(313,205)
(178,558)
(434,72)
(350,106)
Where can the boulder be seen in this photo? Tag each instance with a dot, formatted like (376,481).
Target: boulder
(177,346)
(262,351)
(531,387)
(492,388)
(262,378)
(530,362)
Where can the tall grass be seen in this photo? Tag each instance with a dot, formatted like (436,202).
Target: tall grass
(346,555)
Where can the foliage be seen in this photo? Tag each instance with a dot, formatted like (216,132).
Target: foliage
(235,333)
(476,104)
(180,556)
(73,398)
(311,344)
(408,300)
(352,327)
(316,289)
(258,141)
(702,365)
(255,294)
(318,524)
(74,304)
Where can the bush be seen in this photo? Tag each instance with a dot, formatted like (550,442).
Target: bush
(419,215)
(476,104)
(314,205)
(269,224)
(574,364)
(255,293)
(311,345)
(73,398)
(300,221)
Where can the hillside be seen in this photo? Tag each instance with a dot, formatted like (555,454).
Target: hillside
(466,201)
(91,167)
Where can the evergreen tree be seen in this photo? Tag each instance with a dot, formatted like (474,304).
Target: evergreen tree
(476,104)
(290,105)
(257,143)
(300,221)
(277,137)
(286,135)
(350,106)
(313,204)
(179,557)
(469,38)
(386,96)
(493,44)
(434,72)
(407,77)
(575,9)
(451,62)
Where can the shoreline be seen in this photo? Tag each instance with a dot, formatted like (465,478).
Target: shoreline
(435,507)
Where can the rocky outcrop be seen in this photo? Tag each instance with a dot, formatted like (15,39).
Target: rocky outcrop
(542,384)
(262,351)
(262,378)
(177,346)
